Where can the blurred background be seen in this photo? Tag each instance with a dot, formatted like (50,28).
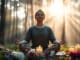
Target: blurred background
(62,16)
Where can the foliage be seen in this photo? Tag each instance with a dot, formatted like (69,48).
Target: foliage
(64,48)
(14,47)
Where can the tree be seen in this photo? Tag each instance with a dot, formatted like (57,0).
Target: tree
(2,22)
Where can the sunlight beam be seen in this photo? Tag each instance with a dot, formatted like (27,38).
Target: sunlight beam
(56,8)
(21,13)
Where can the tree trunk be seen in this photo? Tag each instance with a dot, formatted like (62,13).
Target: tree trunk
(2,22)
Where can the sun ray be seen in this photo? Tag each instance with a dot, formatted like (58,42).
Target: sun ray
(74,33)
(75,23)
(75,27)
(75,12)
(71,33)
(76,20)
(56,8)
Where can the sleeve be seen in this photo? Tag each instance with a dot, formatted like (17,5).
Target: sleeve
(51,36)
(28,35)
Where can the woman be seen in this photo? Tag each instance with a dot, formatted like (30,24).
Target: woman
(40,34)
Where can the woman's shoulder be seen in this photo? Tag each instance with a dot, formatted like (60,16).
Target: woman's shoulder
(47,27)
(32,27)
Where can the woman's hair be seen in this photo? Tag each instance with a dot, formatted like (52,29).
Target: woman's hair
(39,12)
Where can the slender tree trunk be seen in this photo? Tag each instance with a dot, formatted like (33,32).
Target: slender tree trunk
(2,23)
(32,12)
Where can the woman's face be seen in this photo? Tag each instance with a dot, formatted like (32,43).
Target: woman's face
(39,16)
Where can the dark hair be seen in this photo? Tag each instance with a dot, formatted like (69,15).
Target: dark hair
(39,11)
